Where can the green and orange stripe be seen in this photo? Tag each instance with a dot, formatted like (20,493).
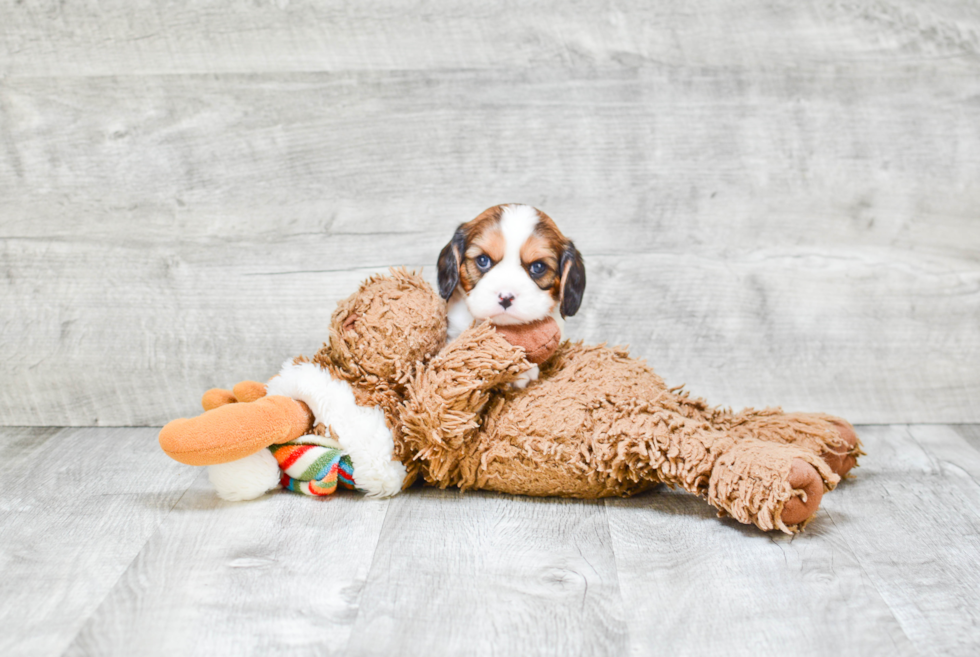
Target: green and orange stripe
(313,469)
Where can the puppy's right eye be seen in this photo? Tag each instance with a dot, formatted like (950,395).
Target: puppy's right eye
(483,262)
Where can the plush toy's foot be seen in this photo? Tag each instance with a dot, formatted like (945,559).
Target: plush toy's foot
(829,437)
(802,477)
(234,431)
(841,458)
(770,485)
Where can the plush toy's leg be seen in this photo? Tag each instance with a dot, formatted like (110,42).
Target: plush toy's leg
(829,437)
(770,485)
(233,431)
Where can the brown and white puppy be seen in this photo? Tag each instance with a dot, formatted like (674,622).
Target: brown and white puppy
(510,265)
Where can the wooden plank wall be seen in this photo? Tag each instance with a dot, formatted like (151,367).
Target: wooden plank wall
(779,202)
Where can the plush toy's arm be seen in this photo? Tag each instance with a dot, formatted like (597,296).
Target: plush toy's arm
(446,398)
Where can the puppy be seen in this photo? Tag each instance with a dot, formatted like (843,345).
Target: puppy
(510,265)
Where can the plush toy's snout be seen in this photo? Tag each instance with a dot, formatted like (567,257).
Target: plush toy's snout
(539,339)
(235,430)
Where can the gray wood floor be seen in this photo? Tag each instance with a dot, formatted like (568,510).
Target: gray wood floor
(108,547)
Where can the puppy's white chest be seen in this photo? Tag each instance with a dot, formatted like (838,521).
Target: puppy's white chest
(459,316)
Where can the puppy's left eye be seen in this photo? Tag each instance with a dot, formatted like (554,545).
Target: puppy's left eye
(537,268)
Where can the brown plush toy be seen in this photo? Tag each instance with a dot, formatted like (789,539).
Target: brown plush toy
(389,392)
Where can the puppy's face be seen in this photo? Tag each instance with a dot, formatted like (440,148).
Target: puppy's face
(512,265)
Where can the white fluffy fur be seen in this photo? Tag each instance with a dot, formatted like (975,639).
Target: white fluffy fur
(247,478)
(362,431)
(458,314)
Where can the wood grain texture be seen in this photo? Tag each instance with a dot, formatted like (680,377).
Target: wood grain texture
(777,202)
(76,507)
(201,249)
(885,568)
(481,574)
(126,38)
(136,555)
(746,338)
(970,433)
(280,574)
(911,514)
(699,585)
(873,156)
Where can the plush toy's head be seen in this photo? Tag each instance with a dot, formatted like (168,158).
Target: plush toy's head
(385,328)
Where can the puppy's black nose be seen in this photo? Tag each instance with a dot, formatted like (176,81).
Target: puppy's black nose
(506,300)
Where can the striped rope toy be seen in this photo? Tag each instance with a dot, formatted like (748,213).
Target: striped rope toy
(313,469)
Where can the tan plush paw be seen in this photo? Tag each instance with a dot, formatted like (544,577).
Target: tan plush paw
(842,458)
(807,492)
(770,485)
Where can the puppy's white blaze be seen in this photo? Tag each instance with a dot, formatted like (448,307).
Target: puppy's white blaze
(508,277)
(517,223)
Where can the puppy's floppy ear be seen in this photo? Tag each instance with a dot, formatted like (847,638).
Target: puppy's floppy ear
(572,280)
(450,259)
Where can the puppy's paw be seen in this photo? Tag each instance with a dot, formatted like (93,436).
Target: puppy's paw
(524,378)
